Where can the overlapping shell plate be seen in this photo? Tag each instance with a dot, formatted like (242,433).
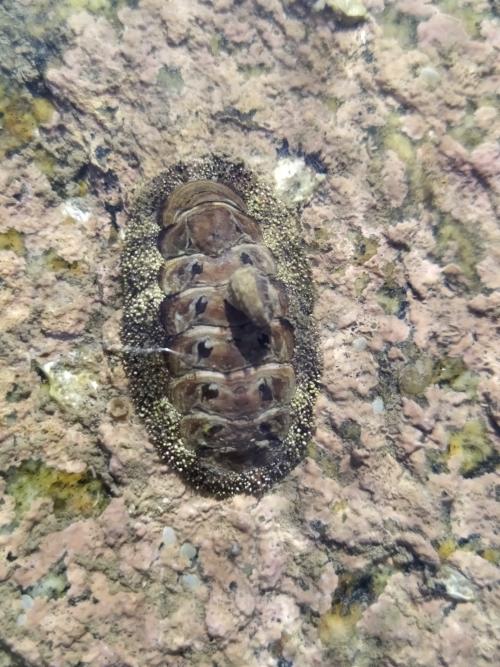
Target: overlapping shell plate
(221,349)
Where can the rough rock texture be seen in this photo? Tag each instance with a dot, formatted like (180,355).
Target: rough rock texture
(382,547)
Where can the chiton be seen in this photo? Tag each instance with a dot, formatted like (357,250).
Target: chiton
(221,349)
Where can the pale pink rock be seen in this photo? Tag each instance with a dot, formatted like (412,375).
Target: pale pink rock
(414,126)
(169,81)
(15,312)
(417,8)
(393,330)
(394,175)
(491,31)
(485,116)
(443,30)
(221,622)
(422,274)
(489,270)
(486,159)
(280,616)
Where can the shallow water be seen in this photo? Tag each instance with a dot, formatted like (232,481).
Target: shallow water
(383,126)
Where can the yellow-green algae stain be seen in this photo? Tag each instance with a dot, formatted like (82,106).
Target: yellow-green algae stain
(401,145)
(57,264)
(472,447)
(216,42)
(72,494)
(446,548)
(20,116)
(355,592)
(42,110)
(491,555)
(336,628)
(13,240)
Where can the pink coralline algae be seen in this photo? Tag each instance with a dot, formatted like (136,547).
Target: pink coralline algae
(381,546)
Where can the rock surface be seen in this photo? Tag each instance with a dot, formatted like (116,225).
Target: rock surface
(382,547)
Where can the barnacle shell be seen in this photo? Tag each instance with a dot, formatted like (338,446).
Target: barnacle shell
(221,347)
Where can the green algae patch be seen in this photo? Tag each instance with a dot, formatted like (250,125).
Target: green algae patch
(361,283)
(57,264)
(452,372)
(391,298)
(416,376)
(466,382)
(365,247)
(449,369)
(458,244)
(350,430)
(468,133)
(251,71)
(170,78)
(72,494)
(329,466)
(401,145)
(399,26)
(13,240)
(467,12)
(332,103)
(473,449)
(437,461)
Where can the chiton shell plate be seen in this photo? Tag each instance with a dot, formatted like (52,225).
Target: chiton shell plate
(220,344)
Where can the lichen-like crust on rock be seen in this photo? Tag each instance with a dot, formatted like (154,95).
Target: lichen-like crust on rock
(220,345)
